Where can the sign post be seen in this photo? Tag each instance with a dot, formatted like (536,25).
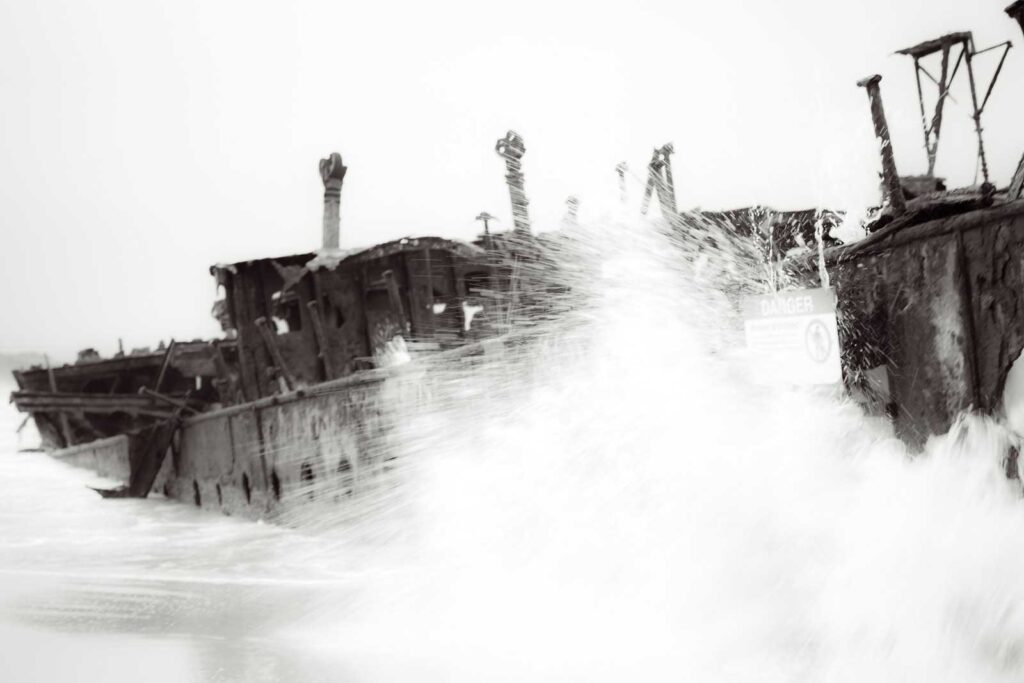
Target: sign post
(793,337)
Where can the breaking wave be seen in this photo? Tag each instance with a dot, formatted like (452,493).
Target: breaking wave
(611,499)
(622,503)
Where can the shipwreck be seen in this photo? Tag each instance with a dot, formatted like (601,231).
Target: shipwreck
(300,388)
(292,392)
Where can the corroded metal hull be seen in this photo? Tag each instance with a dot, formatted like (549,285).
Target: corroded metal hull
(938,309)
(341,442)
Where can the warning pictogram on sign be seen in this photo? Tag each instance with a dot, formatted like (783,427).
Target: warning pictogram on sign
(817,340)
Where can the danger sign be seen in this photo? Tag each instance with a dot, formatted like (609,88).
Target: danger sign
(793,337)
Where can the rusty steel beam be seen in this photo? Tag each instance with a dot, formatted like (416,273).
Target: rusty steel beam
(270,340)
(63,403)
(977,117)
(668,195)
(890,178)
(945,44)
(320,333)
(511,148)
(169,400)
(168,355)
(933,132)
(659,179)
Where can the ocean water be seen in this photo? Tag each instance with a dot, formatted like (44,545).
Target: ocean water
(626,505)
(127,590)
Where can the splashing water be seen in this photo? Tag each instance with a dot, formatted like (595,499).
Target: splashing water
(612,500)
(637,508)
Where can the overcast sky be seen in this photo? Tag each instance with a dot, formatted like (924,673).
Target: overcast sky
(144,141)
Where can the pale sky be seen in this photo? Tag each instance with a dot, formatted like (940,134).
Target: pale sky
(144,141)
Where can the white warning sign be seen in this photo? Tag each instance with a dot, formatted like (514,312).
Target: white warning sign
(793,337)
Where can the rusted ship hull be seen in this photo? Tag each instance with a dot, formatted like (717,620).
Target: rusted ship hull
(262,458)
(934,311)
(339,442)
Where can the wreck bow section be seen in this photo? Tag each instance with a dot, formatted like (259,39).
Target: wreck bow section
(97,398)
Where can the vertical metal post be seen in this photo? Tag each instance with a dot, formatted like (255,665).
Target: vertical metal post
(332,172)
(486,219)
(924,117)
(659,178)
(977,116)
(668,201)
(322,342)
(890,177)
(168,356)
(511,148)
(939,106)
(492,279)
(932,132)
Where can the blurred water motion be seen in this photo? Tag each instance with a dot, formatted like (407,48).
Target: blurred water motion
(151,590)
(634,510)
